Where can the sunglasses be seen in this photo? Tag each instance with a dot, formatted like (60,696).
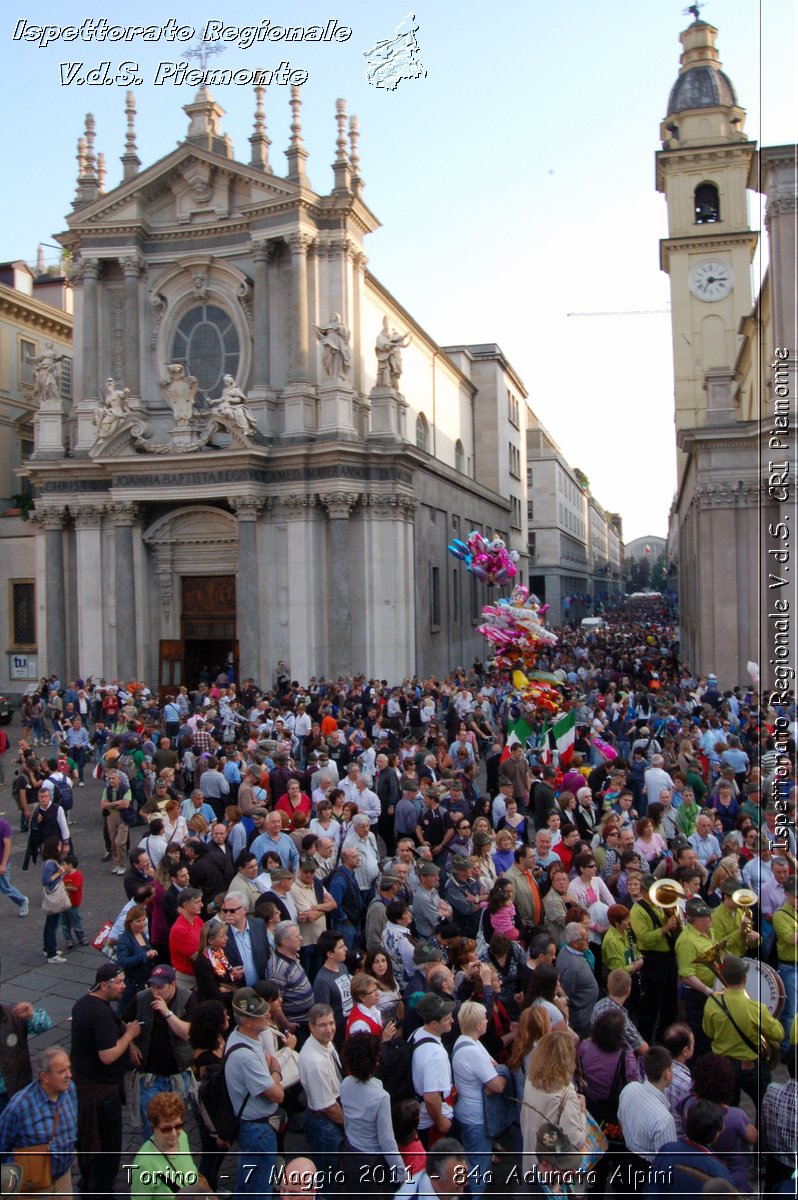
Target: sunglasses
(176,1127)
(231,910)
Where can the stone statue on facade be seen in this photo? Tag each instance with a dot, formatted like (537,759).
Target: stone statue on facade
(335,356)
(232,408)
(180,390)
(108,416)
(47,377)
(388,349)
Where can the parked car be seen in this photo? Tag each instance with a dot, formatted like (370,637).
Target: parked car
(6,710)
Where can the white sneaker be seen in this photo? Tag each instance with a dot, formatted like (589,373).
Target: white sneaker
(81,784)
(119,871)
(57,958)
(24,909)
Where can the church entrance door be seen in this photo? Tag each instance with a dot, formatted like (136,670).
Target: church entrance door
(208,626)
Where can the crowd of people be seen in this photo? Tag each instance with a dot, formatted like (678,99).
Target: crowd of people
(374,912)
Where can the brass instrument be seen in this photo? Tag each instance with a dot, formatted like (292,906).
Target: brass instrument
(666,894)
(712,958)
(745,899)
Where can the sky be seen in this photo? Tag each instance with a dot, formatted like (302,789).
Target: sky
(514,181)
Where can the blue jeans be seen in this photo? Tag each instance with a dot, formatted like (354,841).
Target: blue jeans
(257,1144)
(8,889)
(324,1141)
(789,975)
(72,927)
(478,1145)
(51,922)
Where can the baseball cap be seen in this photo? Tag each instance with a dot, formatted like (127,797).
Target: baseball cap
(105,974)
(161,975)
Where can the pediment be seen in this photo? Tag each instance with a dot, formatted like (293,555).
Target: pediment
(188,186)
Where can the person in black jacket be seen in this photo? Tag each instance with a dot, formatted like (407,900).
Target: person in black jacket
(203,872)
(139,872)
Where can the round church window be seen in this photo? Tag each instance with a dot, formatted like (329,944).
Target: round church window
(206,344)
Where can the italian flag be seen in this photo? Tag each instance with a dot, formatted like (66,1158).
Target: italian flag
(561,737)
(517,731)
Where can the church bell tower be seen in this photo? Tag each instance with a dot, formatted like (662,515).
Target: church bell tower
(704,169)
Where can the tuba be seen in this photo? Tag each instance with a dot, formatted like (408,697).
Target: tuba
(666,893)
(745,899)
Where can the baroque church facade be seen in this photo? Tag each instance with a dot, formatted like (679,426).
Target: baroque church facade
(264,456)
(724,343)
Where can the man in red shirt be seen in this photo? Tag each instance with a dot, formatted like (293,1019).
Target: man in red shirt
(184,936)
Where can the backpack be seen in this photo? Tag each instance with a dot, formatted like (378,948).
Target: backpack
(62,793)
(127,765)
(396,1068)
(214,1103)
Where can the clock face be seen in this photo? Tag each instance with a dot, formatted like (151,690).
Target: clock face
(711,280)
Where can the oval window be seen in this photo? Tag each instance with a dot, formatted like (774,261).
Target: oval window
(206,344)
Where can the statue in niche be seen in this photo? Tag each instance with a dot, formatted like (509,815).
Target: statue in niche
(232,406)
(388,349)
(47,376)
(109,415)
(180,390)
(335,356)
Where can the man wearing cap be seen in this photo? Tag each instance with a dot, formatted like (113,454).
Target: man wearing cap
(376,913)
(432,1070)
(696,978)
(312,902)
(734,1022)
(254,1084)
(785,923)
(428,908)
(655,932)
(463,894)
(426,957)
(163,1011)
(184,936)
(247,943)
(433,829)
(406,815)
(116,801)
(280,893)
(101,1053)
(726,922)
(752,805)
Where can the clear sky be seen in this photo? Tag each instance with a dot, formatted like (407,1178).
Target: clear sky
(515,182)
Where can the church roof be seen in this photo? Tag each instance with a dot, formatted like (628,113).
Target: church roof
(702,86)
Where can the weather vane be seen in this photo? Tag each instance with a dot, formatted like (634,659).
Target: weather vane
(694,10)
(203,51)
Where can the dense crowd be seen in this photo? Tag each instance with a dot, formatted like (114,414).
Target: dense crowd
(368,906)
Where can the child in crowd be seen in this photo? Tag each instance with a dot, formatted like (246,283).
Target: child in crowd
(71,920)
(405,1116)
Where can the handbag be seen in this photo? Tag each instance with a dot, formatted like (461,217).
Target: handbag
(57,900)
(36,1162)
(289,1063)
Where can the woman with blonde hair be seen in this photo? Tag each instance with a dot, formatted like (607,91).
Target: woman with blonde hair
(550,1097)
(474,1073)
(533,1024)
(174,824)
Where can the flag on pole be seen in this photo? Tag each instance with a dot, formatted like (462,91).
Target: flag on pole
(519,730)
(561,737)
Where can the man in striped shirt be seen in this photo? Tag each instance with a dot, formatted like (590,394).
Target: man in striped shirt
(643,1107)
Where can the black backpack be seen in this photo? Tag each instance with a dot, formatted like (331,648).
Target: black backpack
(215,1105)
(396,1068)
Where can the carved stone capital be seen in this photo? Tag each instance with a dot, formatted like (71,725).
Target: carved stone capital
(339,504)
(244,293)
(293,508)
(88,516)
(89,268)
(778,203)
(299,243)
(49,518)
(124,512)
(246,508)
(263,249)
(739,494)
(132,265)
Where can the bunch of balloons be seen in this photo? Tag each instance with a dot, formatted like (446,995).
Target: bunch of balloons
(490,561)
(514,627)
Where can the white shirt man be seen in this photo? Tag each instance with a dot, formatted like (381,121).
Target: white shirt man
(432,1071)
(643,1107)
(655,779)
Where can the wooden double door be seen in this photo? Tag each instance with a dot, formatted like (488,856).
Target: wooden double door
(208,645)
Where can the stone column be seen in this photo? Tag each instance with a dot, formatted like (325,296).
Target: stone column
(90,576)
(299,398)
(52,521)
(261,253)
(124,515)
(247,509)
(90,271)
(338,506)
(132,269)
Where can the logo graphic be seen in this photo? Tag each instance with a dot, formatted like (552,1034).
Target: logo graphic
(390,60)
